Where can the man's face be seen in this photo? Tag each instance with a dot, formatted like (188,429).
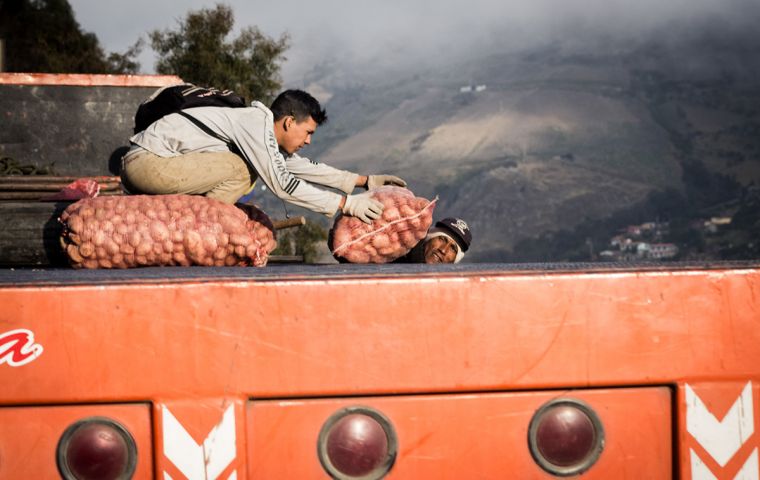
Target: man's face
(297,134)
(440,250)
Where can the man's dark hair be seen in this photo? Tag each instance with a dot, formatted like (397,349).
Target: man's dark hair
(298,104)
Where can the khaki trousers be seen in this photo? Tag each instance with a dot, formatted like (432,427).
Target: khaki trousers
(220,175)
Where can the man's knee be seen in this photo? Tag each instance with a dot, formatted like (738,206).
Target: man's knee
(236,184)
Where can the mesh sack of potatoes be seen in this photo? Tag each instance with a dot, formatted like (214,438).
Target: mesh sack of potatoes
(404,222)
(162,230)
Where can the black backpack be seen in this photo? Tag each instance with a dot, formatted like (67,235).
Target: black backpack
(175,98)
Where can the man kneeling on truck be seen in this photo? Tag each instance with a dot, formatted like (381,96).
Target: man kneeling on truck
(219,152)
(446,242)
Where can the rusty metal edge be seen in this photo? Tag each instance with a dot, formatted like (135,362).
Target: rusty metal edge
(88,80)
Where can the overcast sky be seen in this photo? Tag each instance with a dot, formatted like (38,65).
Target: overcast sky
(361,30)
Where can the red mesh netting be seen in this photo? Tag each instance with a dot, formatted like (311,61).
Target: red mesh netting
(405,221)
(155,230)
(81,188)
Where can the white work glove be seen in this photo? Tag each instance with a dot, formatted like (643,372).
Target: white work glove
(363,206)
(374,181)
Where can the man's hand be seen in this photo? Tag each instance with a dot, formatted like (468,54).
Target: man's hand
(363,206)
(375,181)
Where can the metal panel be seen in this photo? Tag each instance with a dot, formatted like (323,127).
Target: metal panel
(363,336)
(29,436)
(468,436)
(76,130)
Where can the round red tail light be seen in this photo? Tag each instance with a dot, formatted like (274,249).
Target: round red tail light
(96,448)
(565,437)
(357,443)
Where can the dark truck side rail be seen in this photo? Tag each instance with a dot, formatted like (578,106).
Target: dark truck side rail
(278,272)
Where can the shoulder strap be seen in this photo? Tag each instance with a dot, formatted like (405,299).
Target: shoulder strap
(203,126)
(233,148)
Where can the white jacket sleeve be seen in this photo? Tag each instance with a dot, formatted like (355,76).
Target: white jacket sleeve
(321,174)
(259,147)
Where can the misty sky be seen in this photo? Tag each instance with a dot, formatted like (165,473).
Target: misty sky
(361,31)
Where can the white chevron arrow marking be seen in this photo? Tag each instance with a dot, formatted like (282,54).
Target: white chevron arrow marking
(699,470)
(749,470)
(202,462)
(722,439)
(233,476)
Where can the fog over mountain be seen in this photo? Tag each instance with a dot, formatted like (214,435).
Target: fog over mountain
(397,32)
(393,36)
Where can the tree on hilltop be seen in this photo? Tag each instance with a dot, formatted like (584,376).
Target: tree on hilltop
(199,53)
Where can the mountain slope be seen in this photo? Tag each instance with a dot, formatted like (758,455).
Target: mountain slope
(554,138)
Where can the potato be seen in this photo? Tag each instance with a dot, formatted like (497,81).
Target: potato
(357,256)
(401,226)
(111,247)
(143,248)
(407,211)
(222,239)
(134,238)
(381,240)
(90,263)
(391,213)
(408,239)
(75,223)
(73,253)
(240,239)
(192,239)
(99,237)
(180,258)
(209,242)
(159,231)
(87,250)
